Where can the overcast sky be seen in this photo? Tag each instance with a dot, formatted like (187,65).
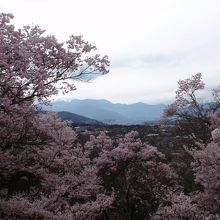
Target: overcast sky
(151,44)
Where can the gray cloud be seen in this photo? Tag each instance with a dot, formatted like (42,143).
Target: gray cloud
(169,59)
(151,43)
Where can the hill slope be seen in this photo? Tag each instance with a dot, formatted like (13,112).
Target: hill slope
(78,119)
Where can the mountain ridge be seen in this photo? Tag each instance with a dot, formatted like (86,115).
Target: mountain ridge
(108,112)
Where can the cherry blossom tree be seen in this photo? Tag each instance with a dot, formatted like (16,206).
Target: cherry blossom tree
(35,65)
(204,203)
(206,166)
(196,120)
(44,173)
(136,171)
(190,114)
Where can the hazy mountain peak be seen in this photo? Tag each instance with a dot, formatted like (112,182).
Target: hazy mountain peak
(108,112)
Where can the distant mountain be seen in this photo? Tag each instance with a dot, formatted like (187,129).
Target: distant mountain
(78,119)
(107,112)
